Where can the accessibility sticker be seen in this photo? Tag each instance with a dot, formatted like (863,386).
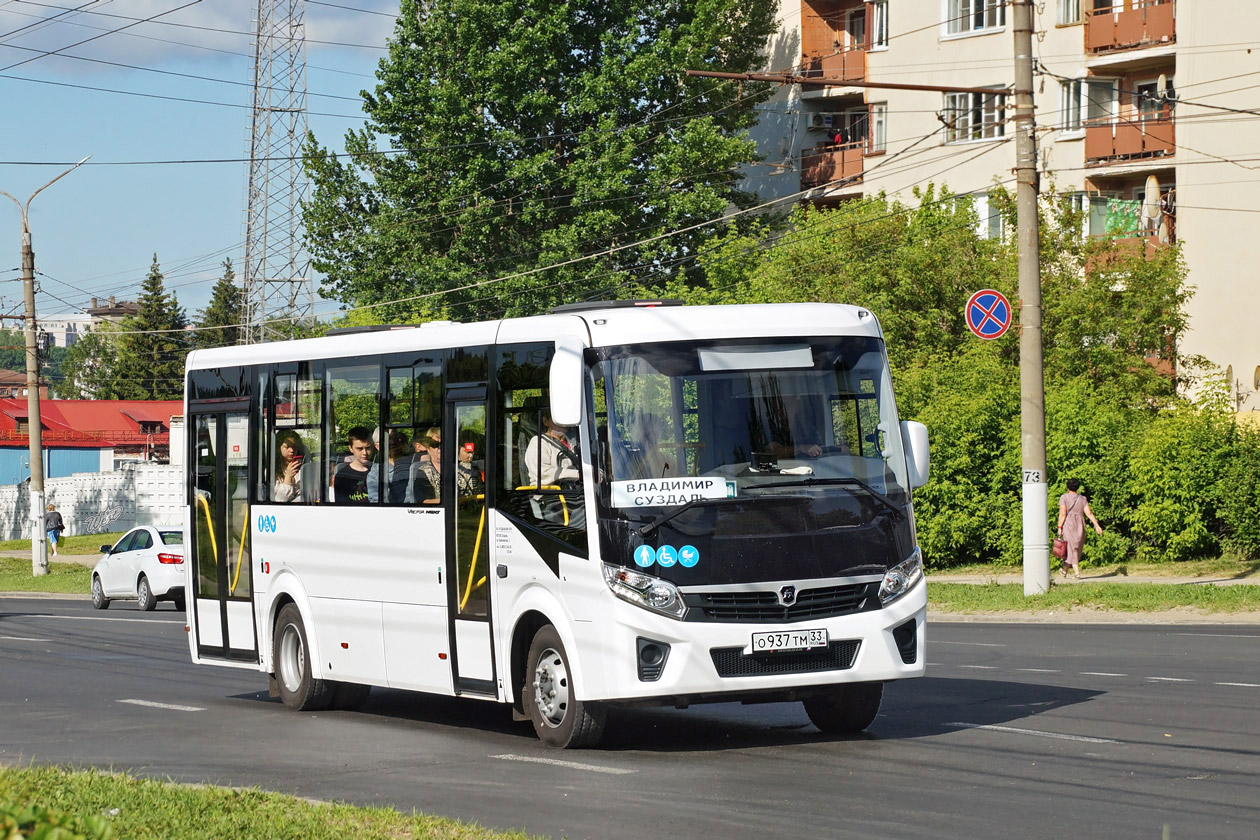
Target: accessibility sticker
(644,556)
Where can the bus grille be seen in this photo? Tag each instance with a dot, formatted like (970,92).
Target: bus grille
(824,602)
(732,662)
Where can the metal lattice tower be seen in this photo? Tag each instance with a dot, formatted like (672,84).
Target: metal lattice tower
(277,284)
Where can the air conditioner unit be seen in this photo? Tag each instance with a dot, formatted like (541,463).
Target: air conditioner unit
(824,121)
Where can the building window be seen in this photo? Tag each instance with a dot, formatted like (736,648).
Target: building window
(989,221)
(974,15)
(1070,96)
(973,116)
(1069,12)
(879,127)
(879,23)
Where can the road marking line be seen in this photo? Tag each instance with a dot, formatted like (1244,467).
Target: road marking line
(1240,685)
(100,618)
(23,639)
(1218,635)
(170,706)
(593,768)
(1101,674)
(980,667)
(968,644)
(1040,670)
(1039,733)
(1168,679)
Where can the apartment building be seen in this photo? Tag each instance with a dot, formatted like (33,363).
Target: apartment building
(1149,110)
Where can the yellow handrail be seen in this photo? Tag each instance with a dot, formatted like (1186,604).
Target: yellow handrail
(241,554)
(210,526)
(564,505)
(481,527)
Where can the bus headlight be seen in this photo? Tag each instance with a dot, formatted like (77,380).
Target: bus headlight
(901,578)
(645,591)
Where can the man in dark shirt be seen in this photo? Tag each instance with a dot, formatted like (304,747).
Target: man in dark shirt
(350,481)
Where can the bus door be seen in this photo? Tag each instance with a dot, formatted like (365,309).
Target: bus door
(222,572)
(468,539)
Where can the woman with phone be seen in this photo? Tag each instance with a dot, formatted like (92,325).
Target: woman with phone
(290,458)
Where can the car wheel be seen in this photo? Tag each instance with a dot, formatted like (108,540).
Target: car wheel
(550,696)
(846,709)
(349,696)
(291,659)
(180,603)
(144,595)
(99,601)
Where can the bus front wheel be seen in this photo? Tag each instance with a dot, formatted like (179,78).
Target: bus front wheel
(560,719)
(847,709)
(291,658)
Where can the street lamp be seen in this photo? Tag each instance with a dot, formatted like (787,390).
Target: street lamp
(39,548)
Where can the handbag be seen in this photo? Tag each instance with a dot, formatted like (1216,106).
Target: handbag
(1059,548)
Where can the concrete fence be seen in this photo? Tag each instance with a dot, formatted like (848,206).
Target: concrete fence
(95,503)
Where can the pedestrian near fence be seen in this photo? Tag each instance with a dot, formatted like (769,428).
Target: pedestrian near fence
(53,525)
(1073,508)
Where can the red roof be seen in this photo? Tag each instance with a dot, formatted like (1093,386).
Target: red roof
(90,423)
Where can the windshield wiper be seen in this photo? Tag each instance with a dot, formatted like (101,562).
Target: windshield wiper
(668,515)
(815,482)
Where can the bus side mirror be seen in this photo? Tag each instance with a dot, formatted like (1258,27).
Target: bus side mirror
(566,382)
(914,440)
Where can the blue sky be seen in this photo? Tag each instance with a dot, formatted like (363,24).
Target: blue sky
(96,230)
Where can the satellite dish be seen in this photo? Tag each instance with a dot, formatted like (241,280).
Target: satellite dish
(1162,86)
(1255,382)
(1150,205)
(1229,374)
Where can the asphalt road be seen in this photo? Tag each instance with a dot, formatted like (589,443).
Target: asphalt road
(1020,730)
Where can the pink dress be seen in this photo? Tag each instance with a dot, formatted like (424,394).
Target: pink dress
(1073,525)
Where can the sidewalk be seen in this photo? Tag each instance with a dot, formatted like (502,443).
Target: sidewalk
(1251,579)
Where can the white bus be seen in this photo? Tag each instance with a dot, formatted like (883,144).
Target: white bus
(621,503)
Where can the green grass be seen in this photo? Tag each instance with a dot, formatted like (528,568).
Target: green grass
(84,544)
(140,809)
(1122,597)
(15,576)
(1223,566)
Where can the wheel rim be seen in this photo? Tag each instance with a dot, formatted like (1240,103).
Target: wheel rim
(98,594)
(292,665)
(145,594)
(551,687)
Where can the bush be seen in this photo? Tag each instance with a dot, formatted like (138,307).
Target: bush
(36,823)
(1239,496)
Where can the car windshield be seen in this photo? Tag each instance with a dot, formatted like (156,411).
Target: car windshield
(744,418)
(172,537)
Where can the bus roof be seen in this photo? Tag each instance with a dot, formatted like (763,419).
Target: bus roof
(611,326)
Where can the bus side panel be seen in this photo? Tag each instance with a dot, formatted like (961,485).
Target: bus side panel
(416,648)
(352,637)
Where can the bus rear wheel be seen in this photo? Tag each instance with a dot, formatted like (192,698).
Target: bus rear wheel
(560,719)
(846,709)
(291,657)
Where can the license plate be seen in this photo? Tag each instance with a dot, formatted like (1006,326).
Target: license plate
(788,640)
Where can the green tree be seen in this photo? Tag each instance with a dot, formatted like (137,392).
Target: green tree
(218,325)
(152,345)
(90,366)
(530,133)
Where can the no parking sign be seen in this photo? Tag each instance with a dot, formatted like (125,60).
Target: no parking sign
(988,314)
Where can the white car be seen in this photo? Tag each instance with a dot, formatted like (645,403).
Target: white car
(146,564)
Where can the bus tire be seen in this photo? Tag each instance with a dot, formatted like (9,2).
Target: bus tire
(291,657)
(349,696)
(847,709)
(560,719)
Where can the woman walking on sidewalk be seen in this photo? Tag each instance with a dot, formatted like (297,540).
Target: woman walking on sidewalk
(1073,508)
(53,526)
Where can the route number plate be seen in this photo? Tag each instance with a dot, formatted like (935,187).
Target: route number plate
(788,640)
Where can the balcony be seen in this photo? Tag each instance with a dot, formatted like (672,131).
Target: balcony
(849,65)
(1117,28)
(834,166)
(1118,141)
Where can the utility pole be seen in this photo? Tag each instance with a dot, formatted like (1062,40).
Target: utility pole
(39,547)
(1032,416)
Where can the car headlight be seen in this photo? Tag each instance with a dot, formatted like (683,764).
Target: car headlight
(645,591)
(901,578)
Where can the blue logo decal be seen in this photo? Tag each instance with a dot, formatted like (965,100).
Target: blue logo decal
(644,556)
(266,524)
(667,555)
(688,556)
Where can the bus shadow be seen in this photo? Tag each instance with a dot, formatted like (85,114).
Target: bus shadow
(921,708)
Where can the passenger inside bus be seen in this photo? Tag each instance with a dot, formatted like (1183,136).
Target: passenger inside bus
(397,469)
(424,483)
(350,484)
(468,466)
(797,435)
(294,470)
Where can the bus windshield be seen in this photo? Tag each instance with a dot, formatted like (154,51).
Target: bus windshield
(681,421)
